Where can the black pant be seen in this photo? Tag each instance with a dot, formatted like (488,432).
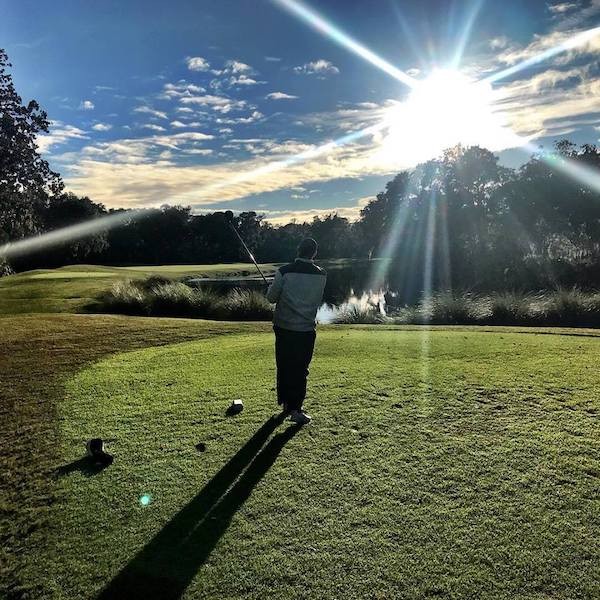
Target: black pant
(293,353)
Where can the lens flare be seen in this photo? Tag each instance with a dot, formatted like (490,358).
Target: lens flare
(579,39)
(65,234)
(583,174)
(145,500)
(316,21)
(473,12)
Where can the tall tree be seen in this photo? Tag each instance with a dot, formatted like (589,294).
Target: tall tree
(26,179)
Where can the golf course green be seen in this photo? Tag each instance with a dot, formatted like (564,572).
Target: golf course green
(441,463)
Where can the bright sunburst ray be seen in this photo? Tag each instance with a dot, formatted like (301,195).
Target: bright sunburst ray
(64,234)
(408,33)
(579,39)
(428,274)
(473,12)
(315,20)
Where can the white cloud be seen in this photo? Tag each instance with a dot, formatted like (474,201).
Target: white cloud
(179,124)
(320,67)
(255,116)
(545,102)
(562,8)
(153,127)
(101,127)
(281,217)
(180,89)
(280,96)
(59,134)
(272,59)
(235,66)
(197,63)
(573,47)
(234,73)
(86,105)
(126,174)
(220,104)
(143,151)
(540,108)
(150,111)
(498,43)
(243,80)
(199,151)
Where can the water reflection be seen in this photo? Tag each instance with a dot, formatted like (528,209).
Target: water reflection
(366,301)
(349,284)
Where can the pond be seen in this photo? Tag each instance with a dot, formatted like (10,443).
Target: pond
(365,284)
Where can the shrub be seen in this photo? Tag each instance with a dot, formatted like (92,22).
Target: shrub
(5,268)
(354,313)
(154,281)
(511,309)
(569,308)
(245,305)
(172,299)
(125,297)
(408,315)
(447,308)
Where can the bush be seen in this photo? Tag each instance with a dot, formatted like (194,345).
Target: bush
(354,313)
(446,308)
(570,308)
(511,309)
(245,305)
(125,297)
(161,297)
(408,315)
(154,281)
(172,299)
(5,268)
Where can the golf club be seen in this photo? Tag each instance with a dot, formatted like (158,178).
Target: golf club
(239,237)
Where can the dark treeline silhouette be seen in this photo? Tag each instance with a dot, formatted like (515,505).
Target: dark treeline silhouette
(470,222)
(462,221)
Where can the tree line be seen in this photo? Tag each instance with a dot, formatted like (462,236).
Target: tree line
(461,221)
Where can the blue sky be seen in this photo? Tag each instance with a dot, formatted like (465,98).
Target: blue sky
(194,102)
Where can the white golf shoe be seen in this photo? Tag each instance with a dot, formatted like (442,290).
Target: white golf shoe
(300,417)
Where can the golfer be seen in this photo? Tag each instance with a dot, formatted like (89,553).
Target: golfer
(297,292)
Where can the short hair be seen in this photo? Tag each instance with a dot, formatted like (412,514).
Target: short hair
(307,248)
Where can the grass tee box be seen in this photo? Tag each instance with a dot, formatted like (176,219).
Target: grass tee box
(442,464)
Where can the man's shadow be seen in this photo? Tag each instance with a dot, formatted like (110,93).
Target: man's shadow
(164,568)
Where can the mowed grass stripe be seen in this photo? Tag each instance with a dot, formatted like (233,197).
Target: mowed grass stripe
(457,464)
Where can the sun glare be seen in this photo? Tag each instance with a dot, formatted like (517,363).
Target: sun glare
(445,109)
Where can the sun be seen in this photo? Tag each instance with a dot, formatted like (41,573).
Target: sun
(443,110)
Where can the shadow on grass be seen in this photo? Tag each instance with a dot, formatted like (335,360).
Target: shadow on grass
(84,465)
(164,568)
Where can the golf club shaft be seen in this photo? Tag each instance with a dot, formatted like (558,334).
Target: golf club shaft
(239,237)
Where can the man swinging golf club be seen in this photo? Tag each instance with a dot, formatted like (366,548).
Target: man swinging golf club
(297,292)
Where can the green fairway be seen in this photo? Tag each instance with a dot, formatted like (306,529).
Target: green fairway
(75,288)
(447,463)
